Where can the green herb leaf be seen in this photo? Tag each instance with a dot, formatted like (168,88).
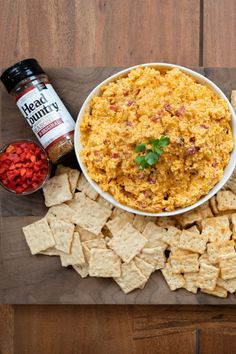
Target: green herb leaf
(153,154)
(158,150)
(164,141)
(140,148)
(152,158)
(140,159)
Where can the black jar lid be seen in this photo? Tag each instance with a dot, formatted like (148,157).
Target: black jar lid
(20,71)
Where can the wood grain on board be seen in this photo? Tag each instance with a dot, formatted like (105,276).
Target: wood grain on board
(124,329)
(26,279)
(100,32)
(6,329)
(219,31)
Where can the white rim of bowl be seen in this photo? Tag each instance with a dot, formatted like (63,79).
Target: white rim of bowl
(202,79)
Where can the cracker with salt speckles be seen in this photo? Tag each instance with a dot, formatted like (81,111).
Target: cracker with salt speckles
(185,264)
(166,221)
(174,281)
(39,236)
(216,229)
(127,242)
(204,259)
(154,235)
(90,244)
(90,215)
(154,256)
(117,223)
(217,249)
(131,277)
(104,263)
(73,176)
(139,222)
(63,234)
(192,242)
(86,235)
(207,277)
(171,237)
(218,291)
(190,282)
(100,200)
(76,256)
(146,268)
(57,190)
(228,266)
(196,215)
(175,251)
(82,270)
(84,186)
(61,211)
(229,285)
(226,200)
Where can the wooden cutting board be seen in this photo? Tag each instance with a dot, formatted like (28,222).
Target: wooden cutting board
(26,279)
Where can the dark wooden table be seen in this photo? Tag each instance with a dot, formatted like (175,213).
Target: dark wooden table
(122,33)
(27,279)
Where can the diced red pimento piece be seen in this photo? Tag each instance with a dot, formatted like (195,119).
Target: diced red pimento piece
(113,107)
(180,111)
(23,167)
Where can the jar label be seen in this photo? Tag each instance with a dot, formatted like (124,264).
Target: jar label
(46,114)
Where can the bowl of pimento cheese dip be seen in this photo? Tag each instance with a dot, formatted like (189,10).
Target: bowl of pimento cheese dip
(156,139)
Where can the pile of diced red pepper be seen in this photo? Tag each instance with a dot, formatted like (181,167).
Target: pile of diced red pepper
(23,167)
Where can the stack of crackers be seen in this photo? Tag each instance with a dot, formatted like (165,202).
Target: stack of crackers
(195,250)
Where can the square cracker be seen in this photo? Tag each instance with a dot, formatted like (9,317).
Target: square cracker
(127,242)
(139,222)
(191,241)
(226,200)
(166,221)
(131,277)
(196,215)
(216,229)
(154,235)
(86,235)
(90,215)
(104,263)
(73,176)
(174,281)
(82,270)
(207,277)
(117,223)
(155,256)
(185,264)
(218,291)
(146,268)
(100,200)
(60,211)
(84,186)
(39,236)
(228,266)
(57,190)
(229,285)
(190,282)
(90,244)
(204,259)
(76,256)
(217,249)
(63,234)
(171,237)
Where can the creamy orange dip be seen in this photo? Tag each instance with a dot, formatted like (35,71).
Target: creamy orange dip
(145,105)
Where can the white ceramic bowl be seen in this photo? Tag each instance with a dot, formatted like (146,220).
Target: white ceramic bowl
(201,79)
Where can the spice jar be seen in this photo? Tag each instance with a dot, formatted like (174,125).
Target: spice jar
(42,108)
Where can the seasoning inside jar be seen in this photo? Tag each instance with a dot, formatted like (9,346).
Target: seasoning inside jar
(42,108)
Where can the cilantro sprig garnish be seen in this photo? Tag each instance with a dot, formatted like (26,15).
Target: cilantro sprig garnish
(152,154)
